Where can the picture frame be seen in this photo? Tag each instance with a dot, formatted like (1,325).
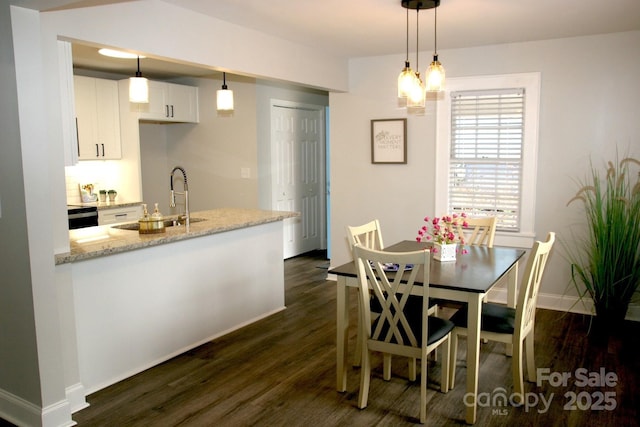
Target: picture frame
(389,141)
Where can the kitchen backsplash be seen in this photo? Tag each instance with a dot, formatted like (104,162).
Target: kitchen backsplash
(102,174)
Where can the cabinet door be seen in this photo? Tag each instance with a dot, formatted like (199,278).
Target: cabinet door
(157,108)
(98,118)
(108,118)
(184,103)
(170,102)
(86,118)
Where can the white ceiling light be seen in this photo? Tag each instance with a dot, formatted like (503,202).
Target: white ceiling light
(416,96)
(138,88)
(224,96)
(435,72)
(407,77)
(118,54)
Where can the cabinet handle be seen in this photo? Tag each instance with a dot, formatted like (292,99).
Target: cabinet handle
(167,108)
(102,150)
(172,111)
(77,137)
(97,151)
(119,216)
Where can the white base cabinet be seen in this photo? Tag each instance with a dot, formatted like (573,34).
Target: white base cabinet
(169,102)
(98,118)
(118,215)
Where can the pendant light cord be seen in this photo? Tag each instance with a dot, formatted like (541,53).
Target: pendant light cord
(435,32)
(224,81)
(138,73)
(417,28)
(407,39)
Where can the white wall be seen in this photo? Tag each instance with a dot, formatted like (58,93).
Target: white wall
(589,108)
(32,383)
(32,191)
(215,150)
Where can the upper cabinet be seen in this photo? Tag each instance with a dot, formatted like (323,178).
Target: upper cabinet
(98,118)
(169,102)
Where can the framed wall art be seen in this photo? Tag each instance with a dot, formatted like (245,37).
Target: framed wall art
(389,141)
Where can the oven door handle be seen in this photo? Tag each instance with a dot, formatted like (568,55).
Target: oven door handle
(82,215)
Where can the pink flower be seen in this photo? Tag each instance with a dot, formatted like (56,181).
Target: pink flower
(443,230)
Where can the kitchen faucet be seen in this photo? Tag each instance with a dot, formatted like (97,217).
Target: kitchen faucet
(185,192)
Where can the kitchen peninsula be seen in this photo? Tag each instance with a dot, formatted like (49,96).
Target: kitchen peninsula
(140,299)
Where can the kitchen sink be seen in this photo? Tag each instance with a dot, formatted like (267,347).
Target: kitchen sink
(135,226)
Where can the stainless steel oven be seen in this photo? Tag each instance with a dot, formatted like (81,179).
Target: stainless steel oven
(82,216)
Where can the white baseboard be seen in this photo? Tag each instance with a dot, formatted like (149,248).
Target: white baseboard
(566,303)
(20,412)
(76,397)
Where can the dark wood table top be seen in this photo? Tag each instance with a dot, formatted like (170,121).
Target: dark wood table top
(476,271)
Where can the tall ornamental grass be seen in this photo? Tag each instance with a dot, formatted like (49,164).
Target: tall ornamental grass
(605,264)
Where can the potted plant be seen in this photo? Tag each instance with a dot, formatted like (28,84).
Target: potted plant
(605,262)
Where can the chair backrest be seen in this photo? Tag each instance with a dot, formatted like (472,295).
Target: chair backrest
(392,290)
(528,296)
(367,235)
(479,231)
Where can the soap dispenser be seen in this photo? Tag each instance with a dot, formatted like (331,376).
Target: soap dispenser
(145,213)
(156,215)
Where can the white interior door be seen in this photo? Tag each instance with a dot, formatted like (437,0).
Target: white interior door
(297,150)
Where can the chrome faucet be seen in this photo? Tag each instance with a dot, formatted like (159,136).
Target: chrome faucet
(185,192)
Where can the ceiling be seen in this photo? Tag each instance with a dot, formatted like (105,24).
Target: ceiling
(357,28)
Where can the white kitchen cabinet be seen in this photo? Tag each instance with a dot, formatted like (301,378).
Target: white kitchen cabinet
(169,102)
(119,215)
(98,118)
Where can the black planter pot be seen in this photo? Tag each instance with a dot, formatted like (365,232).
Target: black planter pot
(608,321)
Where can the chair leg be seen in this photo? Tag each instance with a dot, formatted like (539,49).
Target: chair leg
(446,354)
(453,354)
(359,335)
(529,354)
(386,366)
(365,377)
(516,367)
(423,390)
(412,369)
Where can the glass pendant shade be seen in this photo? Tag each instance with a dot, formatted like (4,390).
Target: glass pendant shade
(435,76)
(224,100)
(406,81)
(138,90)
(416,97)
(224,96)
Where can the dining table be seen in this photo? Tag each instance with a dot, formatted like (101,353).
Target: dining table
(465,280)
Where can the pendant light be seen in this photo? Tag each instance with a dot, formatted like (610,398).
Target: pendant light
(416,97)
(139,88)
(435,72)
(224,96)
(407,77)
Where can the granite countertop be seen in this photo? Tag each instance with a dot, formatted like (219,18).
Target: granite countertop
(106,205)
(93,242)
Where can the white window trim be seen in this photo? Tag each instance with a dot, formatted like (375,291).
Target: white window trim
(531,82)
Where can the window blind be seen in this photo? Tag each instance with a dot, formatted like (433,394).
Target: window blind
(485,172)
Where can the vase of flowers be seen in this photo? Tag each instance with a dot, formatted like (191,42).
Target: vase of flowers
(442,233)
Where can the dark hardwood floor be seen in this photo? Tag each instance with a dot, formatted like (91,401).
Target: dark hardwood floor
(281,371)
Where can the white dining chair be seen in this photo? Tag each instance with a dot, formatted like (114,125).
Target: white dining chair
(400,328)
(369,235)
(479,231)
(511,325)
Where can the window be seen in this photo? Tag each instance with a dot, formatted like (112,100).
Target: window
(487,150)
